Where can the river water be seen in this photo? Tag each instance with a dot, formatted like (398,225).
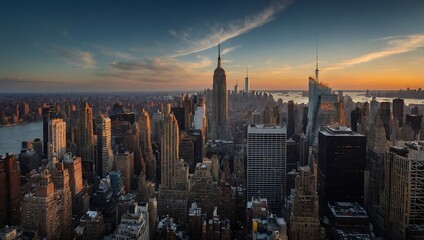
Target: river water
(358,96)
(11,137)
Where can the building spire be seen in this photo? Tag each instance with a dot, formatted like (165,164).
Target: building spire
(316,63)
(219,54)
(247,72)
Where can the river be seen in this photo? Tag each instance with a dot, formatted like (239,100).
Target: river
(357,96)
(11,137)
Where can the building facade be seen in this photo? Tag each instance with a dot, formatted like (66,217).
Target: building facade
(266,164)
(57,137)
(219,103)
(304,209)
(341,165)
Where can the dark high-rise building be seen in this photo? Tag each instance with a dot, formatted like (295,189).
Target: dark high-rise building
(292,155)
(48,112)
(10,190)
(103,200)
(415,121)
(385,115)
(86,140)
(180,116)
(219,103)
(305,119)
(186,150)
(188,113)
(355,119)
(341,165)
(398,104)
(277,115)
(290,119)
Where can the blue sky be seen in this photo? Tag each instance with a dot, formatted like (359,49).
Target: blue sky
(171,45)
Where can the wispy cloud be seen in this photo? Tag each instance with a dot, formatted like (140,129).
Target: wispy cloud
(230,49)
(232,29)
(113,53)
(155,71)
(161,65)
(75,57)
(396,45)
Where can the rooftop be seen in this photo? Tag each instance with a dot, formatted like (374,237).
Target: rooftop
(339,131)
(348,210)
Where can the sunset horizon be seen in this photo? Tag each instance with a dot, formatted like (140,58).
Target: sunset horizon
(61,47)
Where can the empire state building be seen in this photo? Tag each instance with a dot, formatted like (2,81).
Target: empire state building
(219,102)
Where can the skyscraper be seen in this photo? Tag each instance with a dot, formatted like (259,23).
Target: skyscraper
(10,191)
(57,137)
(398,105)
(403,192)
(200,116)
(49,208)
(125,163)
(219,102)
(107,154)
(316,89)
(173,190)
(355,119)
(86,140)
(341,165)
(266,164)
(304,214)
(290,119)
(326,114)
(374,106)
(386,117)
(374,169)
(48,111)
(247,83)
(146,145)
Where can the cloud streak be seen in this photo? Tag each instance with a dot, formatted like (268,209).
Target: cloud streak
(232,29)
(230,49)
(113,53)
(76,57)
(396,45)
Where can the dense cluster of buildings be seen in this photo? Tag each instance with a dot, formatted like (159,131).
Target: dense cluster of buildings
(218,164)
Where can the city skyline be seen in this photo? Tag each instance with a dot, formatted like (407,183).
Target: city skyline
(98,46)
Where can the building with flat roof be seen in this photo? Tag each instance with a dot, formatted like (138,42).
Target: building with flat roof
(403,194)
(341,165)
(266,164)
(348,219)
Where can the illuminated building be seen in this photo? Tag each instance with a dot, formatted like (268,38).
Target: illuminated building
(266,164)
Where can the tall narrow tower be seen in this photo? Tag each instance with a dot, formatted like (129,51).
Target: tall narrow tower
(57,137)
(316,64)
(247,82)
(219,102)
(169,150)
(86,140)
(107,154)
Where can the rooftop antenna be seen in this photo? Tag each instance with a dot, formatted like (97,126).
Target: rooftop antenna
(219,53)
(247,71)
(316,63)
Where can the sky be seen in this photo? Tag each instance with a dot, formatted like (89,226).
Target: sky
(72,46)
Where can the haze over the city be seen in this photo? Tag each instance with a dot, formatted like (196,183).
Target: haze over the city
(71,46)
